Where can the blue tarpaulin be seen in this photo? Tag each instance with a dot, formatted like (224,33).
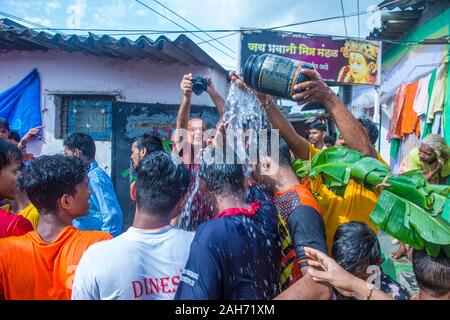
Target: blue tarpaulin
(20,104)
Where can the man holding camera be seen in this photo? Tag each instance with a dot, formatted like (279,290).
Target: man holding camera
(190,137)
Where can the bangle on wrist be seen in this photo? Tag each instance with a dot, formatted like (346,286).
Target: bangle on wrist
(267,104)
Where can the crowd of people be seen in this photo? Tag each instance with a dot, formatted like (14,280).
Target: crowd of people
(252,234)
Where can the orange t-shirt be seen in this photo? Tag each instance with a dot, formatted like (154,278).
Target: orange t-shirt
(31,269)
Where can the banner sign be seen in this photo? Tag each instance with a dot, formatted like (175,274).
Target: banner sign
(345,61)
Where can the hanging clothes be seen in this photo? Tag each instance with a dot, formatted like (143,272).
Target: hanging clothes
(437,126)
(427,127)
(409,121)
(437,97)
(421,99)
(398,105)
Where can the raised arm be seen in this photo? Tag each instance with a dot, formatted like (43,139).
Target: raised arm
(352,131)
(326,270)
(296,143)
(185,106)
(215,97)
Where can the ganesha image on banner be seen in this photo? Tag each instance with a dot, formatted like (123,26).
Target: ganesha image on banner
(362,62)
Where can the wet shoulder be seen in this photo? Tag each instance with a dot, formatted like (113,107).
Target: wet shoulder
(218,230)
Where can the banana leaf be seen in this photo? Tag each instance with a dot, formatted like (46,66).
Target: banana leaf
(409,208)
(337,165)
(411,224)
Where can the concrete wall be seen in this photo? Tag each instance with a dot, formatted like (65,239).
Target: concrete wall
(135,81)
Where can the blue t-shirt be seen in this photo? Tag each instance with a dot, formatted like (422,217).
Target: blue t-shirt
(234,257)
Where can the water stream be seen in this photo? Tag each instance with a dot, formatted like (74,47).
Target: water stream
(242,111)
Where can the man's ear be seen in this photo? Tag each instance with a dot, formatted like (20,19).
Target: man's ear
(77,153)
(133,191)
(143,153)
(65,202)
(372,66)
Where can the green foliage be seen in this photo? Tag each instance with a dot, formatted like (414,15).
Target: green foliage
(409,208)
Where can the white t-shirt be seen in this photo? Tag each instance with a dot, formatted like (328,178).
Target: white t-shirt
(137,265)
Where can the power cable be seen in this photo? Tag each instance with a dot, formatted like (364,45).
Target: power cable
(160,14)
(343,17)
(212,38)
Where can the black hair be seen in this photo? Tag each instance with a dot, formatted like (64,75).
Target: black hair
(9,153)
(161,183)
(4,123)
(48,178)
(82,142)
(329,139)
(371,127)
(318,126)
(432,273)
(14,136)
(149,142)
(222,178)
(356,247)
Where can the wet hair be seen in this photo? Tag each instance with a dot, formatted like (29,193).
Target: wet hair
(48,178)
(4,123)
(371,127)
(9,153)
(329,139)
(222,178)
(149,142)
(356,247)
(161,183)
(82,142)
(432,273)
(318,126)
(14,136)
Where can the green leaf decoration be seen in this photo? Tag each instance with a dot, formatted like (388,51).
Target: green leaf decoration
(409,208)
(410,223)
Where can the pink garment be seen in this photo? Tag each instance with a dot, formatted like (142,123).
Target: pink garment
(403,166)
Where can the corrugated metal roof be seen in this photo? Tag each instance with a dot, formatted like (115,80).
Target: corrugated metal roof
(403,4)
(395,24)
(405,15)
(162,50)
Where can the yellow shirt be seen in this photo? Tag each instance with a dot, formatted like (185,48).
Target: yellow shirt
(356,205)
(31,214)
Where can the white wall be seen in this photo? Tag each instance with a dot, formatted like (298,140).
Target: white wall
(136,81)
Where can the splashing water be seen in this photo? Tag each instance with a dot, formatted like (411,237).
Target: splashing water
(242,111)
(185,217)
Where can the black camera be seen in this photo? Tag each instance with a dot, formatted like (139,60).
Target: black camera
(199,84)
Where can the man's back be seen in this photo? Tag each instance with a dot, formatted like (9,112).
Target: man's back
(234,257)
(33,269)
(139,264)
